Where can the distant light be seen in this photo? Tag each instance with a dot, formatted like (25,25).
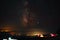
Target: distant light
(11,38)
(41,35)
(53,35)
(37,35)
(4,39)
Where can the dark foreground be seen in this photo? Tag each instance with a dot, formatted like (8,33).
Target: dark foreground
(7,36)
(38,38)
(31,38)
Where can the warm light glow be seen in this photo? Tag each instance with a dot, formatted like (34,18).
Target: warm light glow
(7,28)
(41,35)
(35,33)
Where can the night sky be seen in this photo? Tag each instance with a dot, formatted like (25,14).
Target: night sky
(46,12)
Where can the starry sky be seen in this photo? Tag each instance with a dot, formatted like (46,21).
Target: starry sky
(46,12)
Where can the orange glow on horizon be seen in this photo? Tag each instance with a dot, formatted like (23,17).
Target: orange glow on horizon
(36,33)
(7,28)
